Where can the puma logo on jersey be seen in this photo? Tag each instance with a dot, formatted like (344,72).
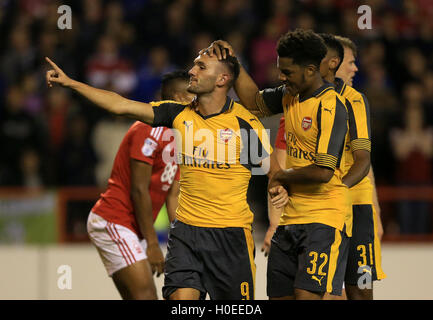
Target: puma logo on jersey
(252,119)
(357,101)
(317,279)
(187,124)
(366,269)
(329,110)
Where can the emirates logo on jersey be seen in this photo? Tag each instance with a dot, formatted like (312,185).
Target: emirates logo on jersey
(226,135)
(306,123)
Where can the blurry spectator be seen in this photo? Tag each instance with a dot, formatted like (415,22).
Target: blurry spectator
(263,53)
(106,138)
(76,159)
(150,73)
(20,56)
(56,112)
(305,21)
(384,112)
(199,41)
(326,15)
(90,25)
(28,173)
(18,130)
(415,65)
(32,96)
(428,96)
(106,69)
(413,150)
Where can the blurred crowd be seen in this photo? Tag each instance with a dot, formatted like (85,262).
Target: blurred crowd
(55,138)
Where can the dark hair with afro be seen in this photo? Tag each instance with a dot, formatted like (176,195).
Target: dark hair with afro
(333,44)
(303,46)
(169,81)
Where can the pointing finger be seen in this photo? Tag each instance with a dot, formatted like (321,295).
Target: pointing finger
(55,67)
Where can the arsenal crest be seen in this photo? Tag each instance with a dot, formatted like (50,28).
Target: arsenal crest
(306,123)
(226,135)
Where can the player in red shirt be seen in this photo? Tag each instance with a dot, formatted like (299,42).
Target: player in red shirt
(120,224)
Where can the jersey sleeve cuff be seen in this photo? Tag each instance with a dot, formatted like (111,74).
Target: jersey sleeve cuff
(361,144)
(326,160)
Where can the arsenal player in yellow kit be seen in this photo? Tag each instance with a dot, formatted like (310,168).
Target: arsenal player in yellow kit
(305,255)
(210,248)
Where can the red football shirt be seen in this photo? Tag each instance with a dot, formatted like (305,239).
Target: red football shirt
(280,140)
(143,143)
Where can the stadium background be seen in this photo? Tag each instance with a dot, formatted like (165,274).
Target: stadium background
(57,150)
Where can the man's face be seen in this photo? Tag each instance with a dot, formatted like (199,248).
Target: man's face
(348,68)
(291,75)
(204,74)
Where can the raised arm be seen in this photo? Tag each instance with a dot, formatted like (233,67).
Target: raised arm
(107,100)
(245,87)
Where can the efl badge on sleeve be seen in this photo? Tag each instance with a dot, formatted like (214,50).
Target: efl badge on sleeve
(226,135)
(306,123)
(149,147)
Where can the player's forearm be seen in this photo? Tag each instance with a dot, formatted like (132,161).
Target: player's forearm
(143,213)
(359,169)
(305,175)
(274,215)
(246,89)
(375,198)
(110,101)
(172,200)
(113,102)
(171,204)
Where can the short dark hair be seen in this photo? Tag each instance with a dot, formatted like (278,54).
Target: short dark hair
(168,83)
(303,46)
(333,44)
(233,65)
(346,42)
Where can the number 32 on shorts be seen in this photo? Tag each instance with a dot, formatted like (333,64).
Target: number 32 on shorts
(314,262)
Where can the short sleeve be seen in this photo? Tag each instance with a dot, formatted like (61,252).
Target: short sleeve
(144,146)
(359,123)
(332,129)
(165,112)
(269,101)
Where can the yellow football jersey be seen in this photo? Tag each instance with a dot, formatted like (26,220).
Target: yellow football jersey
(217,155)
(315,129)
(358,138)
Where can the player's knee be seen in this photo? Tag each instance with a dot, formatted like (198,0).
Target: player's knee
(355,293)
(143,293)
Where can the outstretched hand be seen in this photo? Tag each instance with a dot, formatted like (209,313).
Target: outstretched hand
(56,75)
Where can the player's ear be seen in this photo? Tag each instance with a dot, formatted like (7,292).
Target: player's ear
(333,63)
(310,70)
(223,79)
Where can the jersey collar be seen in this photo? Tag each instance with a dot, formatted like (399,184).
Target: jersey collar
(325,87)
(339,85)
(227,106)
